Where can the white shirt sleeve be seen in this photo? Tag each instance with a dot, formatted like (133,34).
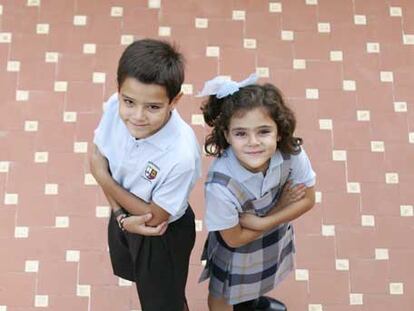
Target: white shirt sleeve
(221,208)
(172,194)
(302,172)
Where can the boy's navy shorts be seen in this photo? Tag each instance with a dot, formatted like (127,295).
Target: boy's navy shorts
(157,264)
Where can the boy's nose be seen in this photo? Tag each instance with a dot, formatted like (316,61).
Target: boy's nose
(139,114)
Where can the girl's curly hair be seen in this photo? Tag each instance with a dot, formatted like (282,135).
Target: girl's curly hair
(218,112)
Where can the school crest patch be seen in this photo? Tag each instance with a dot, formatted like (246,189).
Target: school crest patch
(151,171)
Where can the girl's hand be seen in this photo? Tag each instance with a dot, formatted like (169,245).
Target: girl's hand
(136,224)
(251,221)
(291,194)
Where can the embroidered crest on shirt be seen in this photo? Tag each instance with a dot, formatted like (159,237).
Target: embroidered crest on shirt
(151,171)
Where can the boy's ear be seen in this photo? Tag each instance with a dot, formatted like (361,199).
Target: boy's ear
(175,100)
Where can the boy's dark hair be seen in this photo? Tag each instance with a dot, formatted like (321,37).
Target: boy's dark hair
(152,62)
(218,112)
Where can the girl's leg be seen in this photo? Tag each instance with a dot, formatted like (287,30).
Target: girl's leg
(218,304)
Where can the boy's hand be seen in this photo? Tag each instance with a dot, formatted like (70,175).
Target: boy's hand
(99,165)
(136,224)
(290,194)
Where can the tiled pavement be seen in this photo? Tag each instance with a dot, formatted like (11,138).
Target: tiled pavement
(347,68)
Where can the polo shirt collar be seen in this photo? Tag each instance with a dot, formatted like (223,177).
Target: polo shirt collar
(242,174)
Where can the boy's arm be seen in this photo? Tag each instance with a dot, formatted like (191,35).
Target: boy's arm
(114,192)
(280,215)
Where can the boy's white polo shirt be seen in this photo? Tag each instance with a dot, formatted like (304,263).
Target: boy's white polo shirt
(161,168)
(223,208)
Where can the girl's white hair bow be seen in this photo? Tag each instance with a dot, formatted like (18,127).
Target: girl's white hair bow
(222,86)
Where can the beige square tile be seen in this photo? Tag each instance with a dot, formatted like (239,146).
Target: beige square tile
(391,178)
(287,35)
(80,20)
(1,13)
(89,180)
(315,307)
(41,157)
(51,57)
(386,76)
(103,211)
(127,39)
(318,197)
(62,222)
(199,225)
(302,275)
(21,232)
(396,288)
(408,39)
(411,137)
(328,230)
(22,95)
(3,308)
(187,89)
(382,254)
(124,283)
(238,15)
(368,220)
(299,64)
(360,20)
(70,116)
(363,115)
(154,4)
(80,147)
(325,124)
(83,290)
(89,48)
(377,146)
(324,27)
(311,2)
(249,44)
(197,119)
(42,29)
(61,86)
(263,72)
(213,51)
(5,37)
(99,77)
(400,107)
(342,264)
(72,256)
(406,211)
(31,266)
(339,155)
(275,7)
(201,23)
(41,301)
(312,93)
(4,166)
(395,11)
(356,299)
(117,11)
(51,189)
(13,66)
(11,199)
(336,56)
(164,31)
(349,85)
(373,47)
(353,187)
(31,126)
(33,3)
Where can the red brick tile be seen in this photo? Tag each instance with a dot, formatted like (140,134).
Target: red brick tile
(338,294)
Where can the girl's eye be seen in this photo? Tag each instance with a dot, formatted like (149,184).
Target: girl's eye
(239,134)
(264,132)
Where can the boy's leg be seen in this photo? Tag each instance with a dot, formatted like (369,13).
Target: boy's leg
(122,264)
(162,266)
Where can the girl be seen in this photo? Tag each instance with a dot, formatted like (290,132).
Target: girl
(261,180)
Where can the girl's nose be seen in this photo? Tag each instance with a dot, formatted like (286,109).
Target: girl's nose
(253,140)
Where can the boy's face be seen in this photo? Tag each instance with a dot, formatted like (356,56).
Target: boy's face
(144,108)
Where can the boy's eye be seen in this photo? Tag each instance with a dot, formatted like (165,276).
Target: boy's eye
(154,107)
(128,102)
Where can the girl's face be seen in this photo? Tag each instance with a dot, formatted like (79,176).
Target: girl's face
(253,136)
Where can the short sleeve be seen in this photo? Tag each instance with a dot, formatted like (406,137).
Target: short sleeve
(302,172)
(106,123)
(221,208)
(172,194)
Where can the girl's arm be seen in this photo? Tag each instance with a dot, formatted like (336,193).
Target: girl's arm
(115,193)
(280,215)
(238,236)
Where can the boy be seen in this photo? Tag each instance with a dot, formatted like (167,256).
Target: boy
(147,160)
